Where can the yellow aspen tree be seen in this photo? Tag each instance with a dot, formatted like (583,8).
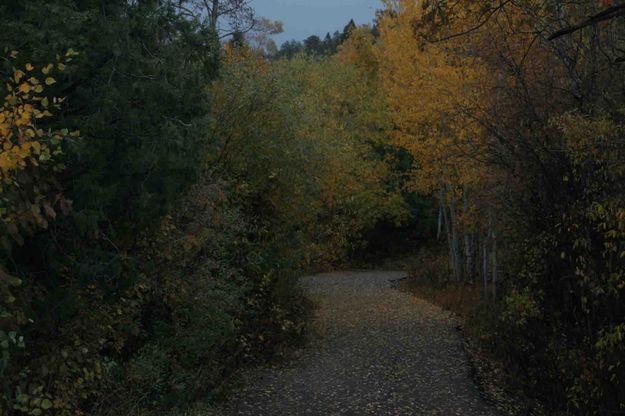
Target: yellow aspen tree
(430,86)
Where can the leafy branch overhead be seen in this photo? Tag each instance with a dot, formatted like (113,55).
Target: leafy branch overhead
(607,14)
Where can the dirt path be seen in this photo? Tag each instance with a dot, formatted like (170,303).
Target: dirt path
(380,352)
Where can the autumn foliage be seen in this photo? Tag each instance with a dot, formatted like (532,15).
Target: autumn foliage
(518,135)
(30,154)
(162,187)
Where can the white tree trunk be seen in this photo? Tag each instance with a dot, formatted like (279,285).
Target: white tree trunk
(449,232)
(455,249)
(441,207)
(485,263)
(494,255)
(467,239)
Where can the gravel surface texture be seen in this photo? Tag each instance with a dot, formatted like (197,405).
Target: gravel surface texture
(378,352)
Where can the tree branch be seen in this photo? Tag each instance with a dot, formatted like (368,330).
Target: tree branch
(607,14)
(482,20)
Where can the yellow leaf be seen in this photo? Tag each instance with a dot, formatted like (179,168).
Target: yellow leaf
(46,69)
(61,67)
(29,67)
(24,88)
(14,54)
(24,119)
(50,81)
(18,75)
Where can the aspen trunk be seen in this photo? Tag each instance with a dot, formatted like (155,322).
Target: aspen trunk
(485,264)
(441,207)
(467,240)
(467,257)
(448,231)
(455,249)
(494,264)
(475,257)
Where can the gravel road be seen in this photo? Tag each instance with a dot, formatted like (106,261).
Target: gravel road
(379,352)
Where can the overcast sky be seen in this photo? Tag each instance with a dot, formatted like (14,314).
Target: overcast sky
(303,18)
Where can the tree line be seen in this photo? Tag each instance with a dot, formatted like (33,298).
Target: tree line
(314,45)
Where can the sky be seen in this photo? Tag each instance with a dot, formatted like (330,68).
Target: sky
(303,18)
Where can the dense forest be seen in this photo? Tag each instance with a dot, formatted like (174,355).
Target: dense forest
(167,173)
